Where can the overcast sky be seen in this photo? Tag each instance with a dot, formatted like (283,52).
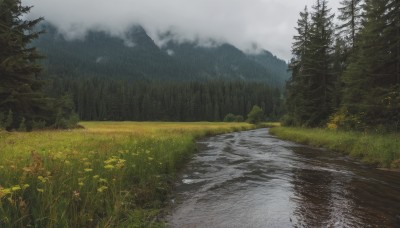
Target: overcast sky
(267,23)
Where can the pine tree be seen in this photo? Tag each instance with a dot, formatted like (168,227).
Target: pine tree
(339,66)
(20,88)
(321,79)
(371,97)
(311,89)
(297,86)
(350,16)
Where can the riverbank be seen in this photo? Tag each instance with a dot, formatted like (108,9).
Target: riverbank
(110,174)
(380,150)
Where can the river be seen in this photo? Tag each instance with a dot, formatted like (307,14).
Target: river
(253,179)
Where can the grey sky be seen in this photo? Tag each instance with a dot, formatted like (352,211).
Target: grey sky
(243,23)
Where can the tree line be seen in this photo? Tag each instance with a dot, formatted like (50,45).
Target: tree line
(23,105)
(108,99)
(346,75)
(30,99)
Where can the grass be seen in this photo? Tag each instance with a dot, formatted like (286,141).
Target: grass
(377,149)
(110,174)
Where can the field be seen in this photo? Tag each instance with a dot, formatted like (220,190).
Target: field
(377,149)
(110,174)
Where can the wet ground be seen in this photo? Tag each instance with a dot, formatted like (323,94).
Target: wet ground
(252,179)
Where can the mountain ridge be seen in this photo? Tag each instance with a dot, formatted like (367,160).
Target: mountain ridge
(137,57)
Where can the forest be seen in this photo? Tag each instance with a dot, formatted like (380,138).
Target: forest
(105,99)
(346,75)
(138,57)
(103,78)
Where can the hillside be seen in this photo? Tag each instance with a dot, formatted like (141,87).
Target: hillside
(139,58)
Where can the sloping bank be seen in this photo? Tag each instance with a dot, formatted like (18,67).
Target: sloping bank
(377,149)
(111,174)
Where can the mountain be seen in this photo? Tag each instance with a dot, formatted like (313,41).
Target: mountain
(137,57)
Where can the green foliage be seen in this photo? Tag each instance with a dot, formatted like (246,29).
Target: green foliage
(107,99)
(9,120)
(350,18)
(229,118)
(355,82)
(103,56)
(66,117)
(256,115)
(22,125)
(113,174)
(372,78)
(239,118)
(309,100)
(38,125)
(20,88)
(233,118)
(378,149)
(2,117)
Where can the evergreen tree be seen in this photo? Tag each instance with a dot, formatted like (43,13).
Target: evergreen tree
(371,97)
(296,86)
(311,89)
(339,66)
(256,115)
(20,88)
(350,16)
(320,77)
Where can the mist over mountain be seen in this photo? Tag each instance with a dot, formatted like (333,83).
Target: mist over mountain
(138,57)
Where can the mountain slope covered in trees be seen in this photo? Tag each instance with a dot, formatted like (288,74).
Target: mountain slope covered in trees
(137,57)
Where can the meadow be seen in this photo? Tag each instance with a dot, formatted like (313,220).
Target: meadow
(109,174)
(382,150)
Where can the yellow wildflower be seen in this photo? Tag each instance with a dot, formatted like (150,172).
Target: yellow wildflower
(40,189)
(102,188)
(42,179)
(111,160)
(81,184)
(5,192)
(96,177)
(15,188)
(109,167)
(88,170)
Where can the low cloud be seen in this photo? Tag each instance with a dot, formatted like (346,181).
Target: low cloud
(249,25)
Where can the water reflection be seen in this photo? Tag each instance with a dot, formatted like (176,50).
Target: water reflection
(251,179)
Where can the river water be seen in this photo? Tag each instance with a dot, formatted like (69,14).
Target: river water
(252,179)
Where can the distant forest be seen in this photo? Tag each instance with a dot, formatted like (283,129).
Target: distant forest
(138,58)
(50,82)
(346,76)
(107,99)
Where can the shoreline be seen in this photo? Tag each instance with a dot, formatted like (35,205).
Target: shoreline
(382,151)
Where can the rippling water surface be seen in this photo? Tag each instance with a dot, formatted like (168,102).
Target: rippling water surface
(252,179)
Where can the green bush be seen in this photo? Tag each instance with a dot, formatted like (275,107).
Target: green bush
(22,125)
(233,118)
(255,115)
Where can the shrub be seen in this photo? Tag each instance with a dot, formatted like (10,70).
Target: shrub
(22,125)
(255,115)
(38,125)
(233,118)
(230,118)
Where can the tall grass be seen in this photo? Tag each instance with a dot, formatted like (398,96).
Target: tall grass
(109,174)
(377,149)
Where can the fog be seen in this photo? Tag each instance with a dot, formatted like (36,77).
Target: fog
(250,25)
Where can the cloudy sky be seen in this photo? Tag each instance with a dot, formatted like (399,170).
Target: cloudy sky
(267,24)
